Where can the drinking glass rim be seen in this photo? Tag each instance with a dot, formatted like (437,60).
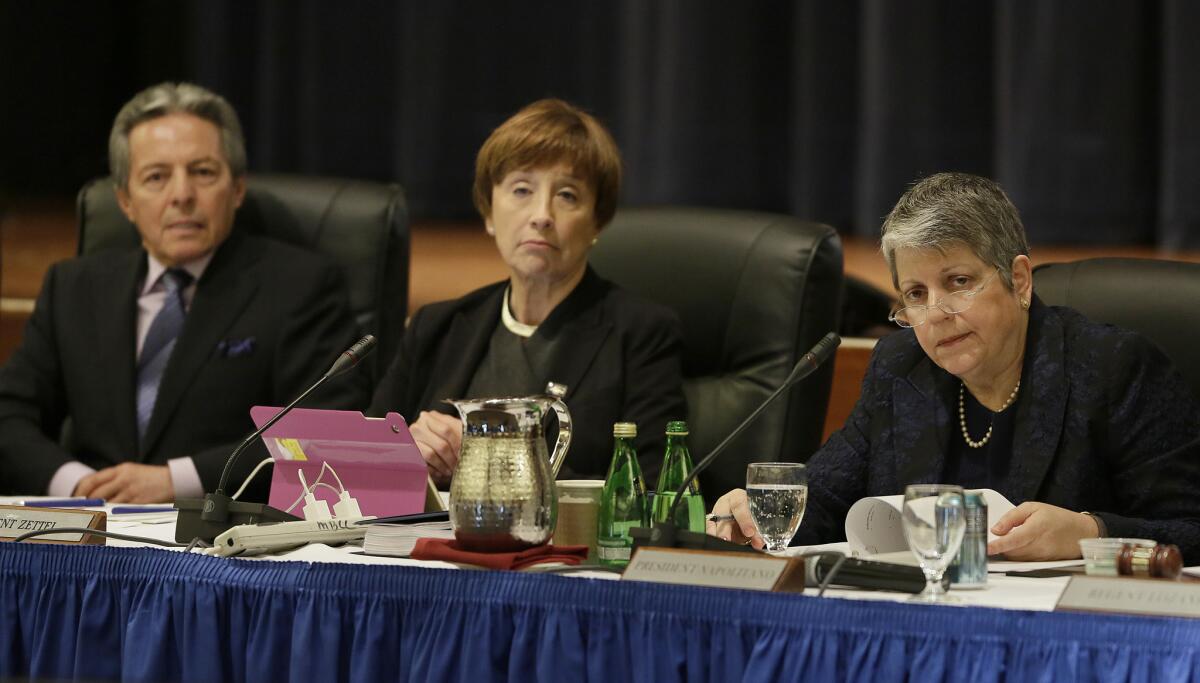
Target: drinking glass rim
(933,487)
(773,465)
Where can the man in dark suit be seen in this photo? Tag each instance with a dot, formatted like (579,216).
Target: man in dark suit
(157,355)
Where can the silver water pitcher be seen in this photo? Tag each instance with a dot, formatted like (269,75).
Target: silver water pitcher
(503,497)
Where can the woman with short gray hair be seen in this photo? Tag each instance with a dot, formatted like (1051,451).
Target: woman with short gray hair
(1086,427)
(956,208)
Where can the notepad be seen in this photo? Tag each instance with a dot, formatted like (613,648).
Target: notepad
(398,540)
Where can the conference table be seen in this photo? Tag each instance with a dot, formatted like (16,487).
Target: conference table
(320,613)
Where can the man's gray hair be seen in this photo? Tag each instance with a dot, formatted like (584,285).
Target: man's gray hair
(947,210)
(175,98)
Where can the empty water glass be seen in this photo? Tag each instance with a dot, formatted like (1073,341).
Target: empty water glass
(934,522)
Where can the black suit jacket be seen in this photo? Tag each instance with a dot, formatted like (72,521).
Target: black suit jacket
(618,355)
(1104,424)
(267,319)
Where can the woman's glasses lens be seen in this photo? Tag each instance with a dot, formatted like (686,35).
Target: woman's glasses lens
(956,302)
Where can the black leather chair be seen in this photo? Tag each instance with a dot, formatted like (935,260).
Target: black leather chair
(754,291)
(1157,298)
(363,226)
(865,310)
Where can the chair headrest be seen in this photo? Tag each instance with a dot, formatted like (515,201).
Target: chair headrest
(1159,299)
(729,275)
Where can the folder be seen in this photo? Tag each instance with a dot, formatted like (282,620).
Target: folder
(375,457)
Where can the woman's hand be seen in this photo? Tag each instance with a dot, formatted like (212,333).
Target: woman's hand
(1033,532)
(741,529)
(439,438)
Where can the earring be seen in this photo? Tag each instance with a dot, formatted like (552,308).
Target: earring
(1025,304)
(595,240)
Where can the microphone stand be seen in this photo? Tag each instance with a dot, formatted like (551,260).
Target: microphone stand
(667,534)
(216,513)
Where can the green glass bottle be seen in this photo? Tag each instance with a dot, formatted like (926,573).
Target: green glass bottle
(623,501)
(677,462)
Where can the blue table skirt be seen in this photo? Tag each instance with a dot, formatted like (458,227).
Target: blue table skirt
(100,613)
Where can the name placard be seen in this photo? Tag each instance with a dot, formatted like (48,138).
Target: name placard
(16,520)
(1130,595)
(716,570)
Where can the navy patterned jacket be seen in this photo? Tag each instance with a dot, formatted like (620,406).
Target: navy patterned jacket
(1105,425)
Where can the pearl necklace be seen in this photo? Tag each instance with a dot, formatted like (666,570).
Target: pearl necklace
(962,416)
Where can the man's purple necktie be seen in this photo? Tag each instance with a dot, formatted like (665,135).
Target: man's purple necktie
(160,341)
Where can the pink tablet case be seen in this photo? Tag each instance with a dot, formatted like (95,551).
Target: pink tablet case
(376,458)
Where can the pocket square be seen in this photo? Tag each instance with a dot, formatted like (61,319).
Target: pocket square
(232,348)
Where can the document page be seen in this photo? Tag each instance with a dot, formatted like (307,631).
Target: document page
(874,526)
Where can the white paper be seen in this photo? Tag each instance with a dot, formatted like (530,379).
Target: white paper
(1008,592)
(798,550)
(874,526)
(1002,566)
(995,566)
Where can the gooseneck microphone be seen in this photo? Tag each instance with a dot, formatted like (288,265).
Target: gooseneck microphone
(665,533)
(217,507)
(349,358)
(812,360)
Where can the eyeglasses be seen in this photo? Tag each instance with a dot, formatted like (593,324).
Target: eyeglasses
(954,302)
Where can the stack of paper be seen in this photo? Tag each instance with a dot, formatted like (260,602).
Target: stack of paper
(398,540)
(874,526)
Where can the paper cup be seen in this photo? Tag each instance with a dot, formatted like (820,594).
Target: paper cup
(578,509)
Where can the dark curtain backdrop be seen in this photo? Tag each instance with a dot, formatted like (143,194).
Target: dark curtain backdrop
(1086,111)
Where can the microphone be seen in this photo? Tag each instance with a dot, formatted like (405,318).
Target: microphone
(216,509)
(349,358)
(827,568)
(665,534)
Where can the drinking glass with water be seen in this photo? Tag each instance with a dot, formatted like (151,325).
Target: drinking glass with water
(778,493)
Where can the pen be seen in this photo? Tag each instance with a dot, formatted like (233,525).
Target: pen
(134,509)
(65,503)
(440,516)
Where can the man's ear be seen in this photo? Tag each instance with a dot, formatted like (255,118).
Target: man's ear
(239,191)
(487,225)
(124,202)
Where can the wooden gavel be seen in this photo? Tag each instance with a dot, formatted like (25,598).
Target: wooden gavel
(1160,561)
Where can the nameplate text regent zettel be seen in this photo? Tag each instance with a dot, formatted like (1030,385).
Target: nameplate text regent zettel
(16,520)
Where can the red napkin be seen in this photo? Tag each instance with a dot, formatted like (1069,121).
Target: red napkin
(448,550)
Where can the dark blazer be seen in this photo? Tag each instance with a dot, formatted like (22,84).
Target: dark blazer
(618,355)
(1104,424)
(267,319)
